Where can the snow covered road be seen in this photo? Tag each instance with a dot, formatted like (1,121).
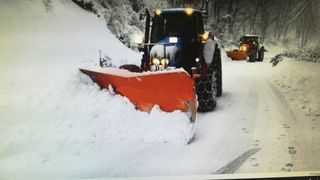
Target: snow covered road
(253,130)
(254,105)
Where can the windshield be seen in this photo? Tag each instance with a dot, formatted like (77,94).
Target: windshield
(250,40)
(173,24)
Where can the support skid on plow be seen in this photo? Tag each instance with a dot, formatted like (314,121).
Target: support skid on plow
(170,90)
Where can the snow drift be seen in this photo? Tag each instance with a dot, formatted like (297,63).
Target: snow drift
(48,109)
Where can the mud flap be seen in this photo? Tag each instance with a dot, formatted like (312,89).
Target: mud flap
(170,90)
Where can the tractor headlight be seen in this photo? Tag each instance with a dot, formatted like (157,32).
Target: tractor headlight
(164,61)
(159,64)
(243,48)
(155,61)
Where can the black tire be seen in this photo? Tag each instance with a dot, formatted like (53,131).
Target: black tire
(261,54)
(131,68)
(218,66)
(252,56)
(219,79)
(206,91)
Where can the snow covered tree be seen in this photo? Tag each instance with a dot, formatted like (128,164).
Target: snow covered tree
(137,6)
(48,5)
(228,19)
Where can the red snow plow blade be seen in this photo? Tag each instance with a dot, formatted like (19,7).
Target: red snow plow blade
(171,90)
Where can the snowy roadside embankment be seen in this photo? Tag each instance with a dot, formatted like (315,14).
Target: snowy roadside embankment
(299,83)
(52,116)
(305,55)
(299,86)
(41,55)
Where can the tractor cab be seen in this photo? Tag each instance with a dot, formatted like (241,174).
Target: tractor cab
(253,39)
(174,38)
(252,46)
(249,42)
(182,23)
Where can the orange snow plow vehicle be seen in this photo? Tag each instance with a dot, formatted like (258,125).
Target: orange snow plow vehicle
(174,73)
(250,47)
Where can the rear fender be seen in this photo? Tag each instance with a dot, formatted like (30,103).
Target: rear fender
(203,69)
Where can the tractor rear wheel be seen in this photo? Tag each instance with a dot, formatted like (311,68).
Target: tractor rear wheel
(261,54)
(206,91)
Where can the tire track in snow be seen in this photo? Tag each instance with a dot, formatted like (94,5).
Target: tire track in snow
(232,166)
(287,111)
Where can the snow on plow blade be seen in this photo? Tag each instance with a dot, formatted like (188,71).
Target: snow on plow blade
(237,55)
(171,90)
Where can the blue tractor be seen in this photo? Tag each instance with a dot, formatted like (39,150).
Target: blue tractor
(175,38)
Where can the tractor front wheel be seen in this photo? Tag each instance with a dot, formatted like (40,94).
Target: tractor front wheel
(206,91)
(252,56)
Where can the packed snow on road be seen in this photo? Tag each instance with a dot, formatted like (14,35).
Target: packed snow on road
(55,122)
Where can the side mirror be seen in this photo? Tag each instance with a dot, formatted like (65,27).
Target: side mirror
(204,14)
(204,9)
(142,15)
(140,48)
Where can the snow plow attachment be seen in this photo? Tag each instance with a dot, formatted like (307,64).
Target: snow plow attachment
(237,55)
(171,90)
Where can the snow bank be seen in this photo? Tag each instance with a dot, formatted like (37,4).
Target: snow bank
(126,73)
(224,56)
(50,112)
(300,89)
